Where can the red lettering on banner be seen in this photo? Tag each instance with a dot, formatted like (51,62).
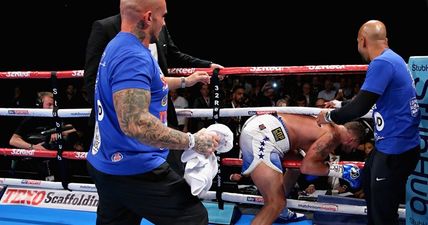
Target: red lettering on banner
(40,195)
(25,197)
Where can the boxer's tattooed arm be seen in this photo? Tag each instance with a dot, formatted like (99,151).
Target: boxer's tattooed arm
(323,146)
(135,120)
(322,149)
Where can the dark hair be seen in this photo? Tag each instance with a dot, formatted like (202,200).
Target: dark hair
(358,130)
(236,87)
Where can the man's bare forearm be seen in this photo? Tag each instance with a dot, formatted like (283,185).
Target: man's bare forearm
(132,109)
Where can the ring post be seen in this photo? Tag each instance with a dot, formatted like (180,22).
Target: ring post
(220,213)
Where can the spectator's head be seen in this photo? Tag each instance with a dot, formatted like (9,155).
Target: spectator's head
(283,101)
(268,89)
(238,94)
(204,90)
(328,85)
(306,89)
(301,100)
(320,103)
(45,100)
(70,90)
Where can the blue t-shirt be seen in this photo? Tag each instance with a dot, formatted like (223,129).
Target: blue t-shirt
(396,113)
(126,63)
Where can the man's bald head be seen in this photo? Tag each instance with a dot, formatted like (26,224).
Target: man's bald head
(372,39)
(143,18)
(132,9)
(373,30)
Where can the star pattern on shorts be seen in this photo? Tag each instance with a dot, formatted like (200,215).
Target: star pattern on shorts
(262,147)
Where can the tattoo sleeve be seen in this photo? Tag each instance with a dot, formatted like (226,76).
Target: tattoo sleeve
(324,146)
(321,150)
(135,120)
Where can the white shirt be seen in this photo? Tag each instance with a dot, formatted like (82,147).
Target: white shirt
(181,103)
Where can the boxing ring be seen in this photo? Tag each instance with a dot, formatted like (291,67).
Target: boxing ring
(25,201)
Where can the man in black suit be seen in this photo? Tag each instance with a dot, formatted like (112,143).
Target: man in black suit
(167,53)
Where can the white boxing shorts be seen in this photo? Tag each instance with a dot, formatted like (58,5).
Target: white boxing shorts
(264,138)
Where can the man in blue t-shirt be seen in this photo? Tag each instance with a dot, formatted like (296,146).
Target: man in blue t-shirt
(389,90)
(127,158)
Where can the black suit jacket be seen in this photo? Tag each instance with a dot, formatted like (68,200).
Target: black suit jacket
(168,54)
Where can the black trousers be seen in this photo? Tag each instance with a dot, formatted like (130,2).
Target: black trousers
(160,196)
(385,178)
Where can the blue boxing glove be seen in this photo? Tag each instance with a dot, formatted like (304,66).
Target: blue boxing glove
(351,173)
(348,172)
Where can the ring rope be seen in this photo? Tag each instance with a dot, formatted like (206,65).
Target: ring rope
(286,163)
(64,113)
(47,184)
(193,113)
(296,204)
(82,156)
(42,153)
(249,71)
(250,111)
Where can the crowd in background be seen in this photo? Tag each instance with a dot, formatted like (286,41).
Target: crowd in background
(236,92)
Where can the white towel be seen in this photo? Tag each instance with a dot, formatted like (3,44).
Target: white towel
(200,171)
(226,137)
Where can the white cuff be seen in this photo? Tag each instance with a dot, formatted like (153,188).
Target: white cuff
(191,141)
(337,104)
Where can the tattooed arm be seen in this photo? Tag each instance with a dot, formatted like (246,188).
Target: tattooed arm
(135,120)
(314,161)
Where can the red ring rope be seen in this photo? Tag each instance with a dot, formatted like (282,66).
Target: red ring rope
(244,71)
(82,156)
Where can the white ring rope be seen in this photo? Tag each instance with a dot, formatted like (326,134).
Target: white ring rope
(296,204)
(249,111)
(224,112)
(47,184)
(64,113)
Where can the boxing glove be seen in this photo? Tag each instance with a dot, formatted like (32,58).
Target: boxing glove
(351,173)
(348,172)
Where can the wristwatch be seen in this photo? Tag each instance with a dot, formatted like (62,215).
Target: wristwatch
(327,117)
(183,82)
